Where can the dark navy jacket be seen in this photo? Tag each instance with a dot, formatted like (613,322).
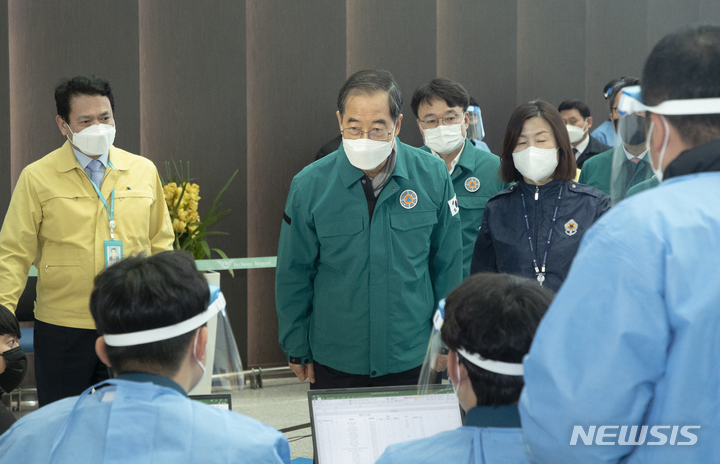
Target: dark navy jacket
(502,244)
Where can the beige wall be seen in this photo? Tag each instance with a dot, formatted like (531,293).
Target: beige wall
(252,85)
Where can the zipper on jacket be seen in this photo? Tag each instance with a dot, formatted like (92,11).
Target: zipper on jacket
(536,226)
(537,192)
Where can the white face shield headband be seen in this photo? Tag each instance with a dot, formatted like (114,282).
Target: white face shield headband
(217,304)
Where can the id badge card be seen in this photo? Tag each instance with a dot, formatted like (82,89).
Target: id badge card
(113,252)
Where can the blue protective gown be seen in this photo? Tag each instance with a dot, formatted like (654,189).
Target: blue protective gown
(490,435)
(632,336)
(605,133)
(140,423)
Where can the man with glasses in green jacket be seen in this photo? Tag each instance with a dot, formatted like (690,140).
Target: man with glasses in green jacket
(370,242)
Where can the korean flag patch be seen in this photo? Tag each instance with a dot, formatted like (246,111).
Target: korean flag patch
(454,205)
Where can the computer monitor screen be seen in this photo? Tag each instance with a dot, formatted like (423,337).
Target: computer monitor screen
(220,401)
(356,425)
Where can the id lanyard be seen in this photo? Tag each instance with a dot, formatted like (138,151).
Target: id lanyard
(540,272)
(111,208)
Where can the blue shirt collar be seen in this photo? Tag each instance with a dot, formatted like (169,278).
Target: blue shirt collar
(84,159)
(156,379)
(493,416)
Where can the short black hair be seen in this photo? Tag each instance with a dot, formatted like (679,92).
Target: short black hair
(495,316)
(143,293)
(8,323)
(686,65)
(80,85)
(621,84)
(575,105)
(608,88)
(453,93)
(473,102)
(369,82)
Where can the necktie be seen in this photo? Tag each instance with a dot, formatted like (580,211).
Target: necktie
(95,171)
(635,160)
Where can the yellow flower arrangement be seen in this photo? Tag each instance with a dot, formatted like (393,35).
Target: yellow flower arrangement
(182,197)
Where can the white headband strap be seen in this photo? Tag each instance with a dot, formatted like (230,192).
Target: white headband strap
(630,103)
(498,367)
(168,332)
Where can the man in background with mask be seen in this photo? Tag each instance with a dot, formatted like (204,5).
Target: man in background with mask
(441,108)
(370,242)
(628,350)
(578,121)
(13,363)
(67,211)
(152,315)
(598,171)
(488,325)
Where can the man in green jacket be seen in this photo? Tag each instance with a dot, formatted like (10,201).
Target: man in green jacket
(598,170)
(370,241)
(441,111)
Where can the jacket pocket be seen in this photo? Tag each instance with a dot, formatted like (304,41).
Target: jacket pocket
(338,242)
(411,234)
(472,202)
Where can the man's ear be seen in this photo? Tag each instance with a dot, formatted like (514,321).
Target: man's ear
(100,350)
(589,121)
(62,126)
(337,113)
(202,338)
(658,133)
(397,125)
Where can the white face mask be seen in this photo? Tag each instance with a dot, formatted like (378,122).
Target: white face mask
(94,140)
(536,164)
(444,139)
(576,133)
(367,154)
(658,172)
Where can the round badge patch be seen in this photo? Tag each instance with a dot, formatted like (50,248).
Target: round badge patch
(408,199)
(472,184)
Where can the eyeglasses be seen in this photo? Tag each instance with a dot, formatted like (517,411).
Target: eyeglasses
(449,120)
(377,134)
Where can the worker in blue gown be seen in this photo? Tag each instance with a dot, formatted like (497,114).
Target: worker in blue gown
(152,313)
(486,326)
(624,365)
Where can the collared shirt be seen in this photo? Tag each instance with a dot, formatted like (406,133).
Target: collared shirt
(581,146)
(454,162)
(156,379)
(84,159)
(630,156)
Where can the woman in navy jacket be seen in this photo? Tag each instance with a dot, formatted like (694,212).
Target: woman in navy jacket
(534,228)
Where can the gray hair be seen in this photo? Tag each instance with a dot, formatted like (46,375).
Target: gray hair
(368,82)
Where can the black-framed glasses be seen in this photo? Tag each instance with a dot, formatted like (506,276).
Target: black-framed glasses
(378,134)
(449,120)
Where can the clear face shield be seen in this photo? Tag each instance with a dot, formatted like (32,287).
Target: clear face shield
(224,372)
(221,365)
(475,130)
(434,366)
(631,161)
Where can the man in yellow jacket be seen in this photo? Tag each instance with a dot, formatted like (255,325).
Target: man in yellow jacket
(69,211)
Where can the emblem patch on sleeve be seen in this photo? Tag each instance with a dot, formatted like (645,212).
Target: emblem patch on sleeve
(454,205)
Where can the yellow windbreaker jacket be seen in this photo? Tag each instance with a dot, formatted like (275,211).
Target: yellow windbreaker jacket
(56,220)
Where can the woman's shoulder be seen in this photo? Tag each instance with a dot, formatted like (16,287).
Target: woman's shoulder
(583,189)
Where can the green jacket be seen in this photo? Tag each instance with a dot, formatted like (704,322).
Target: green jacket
(597,172)
(355,295)
(642,186)
(477,170)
